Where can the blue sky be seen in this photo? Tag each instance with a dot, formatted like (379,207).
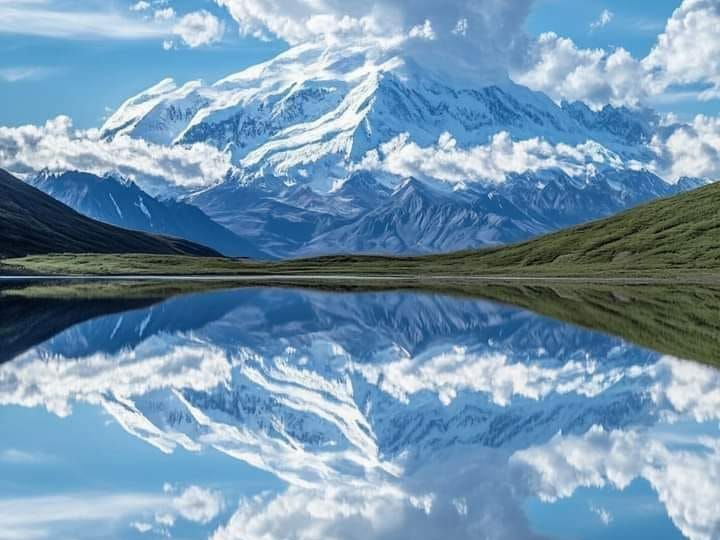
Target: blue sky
(84,75)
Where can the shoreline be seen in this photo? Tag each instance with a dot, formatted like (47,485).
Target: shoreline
(394,278)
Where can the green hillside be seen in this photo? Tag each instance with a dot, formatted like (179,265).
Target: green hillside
(34,223)
(677,236)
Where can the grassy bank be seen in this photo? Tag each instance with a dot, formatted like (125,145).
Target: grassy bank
(668,238)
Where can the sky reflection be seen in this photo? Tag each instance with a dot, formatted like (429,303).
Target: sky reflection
(285,414)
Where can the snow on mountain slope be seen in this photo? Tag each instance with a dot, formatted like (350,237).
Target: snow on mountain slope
(324,141)
(312,112)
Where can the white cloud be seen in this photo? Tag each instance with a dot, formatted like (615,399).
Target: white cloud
(43,18)
(165,14)
(556,66)
(689,149)
(687,481)
(57,146)
(605,517)
(157,363)
(141,527)
(23,73)
(199,28)
(686,390)
(142,5)
(447,162)
(199,505)
(331,512)
(605,18)
(423,31)
(22,457)
(688,51)
(20,517)
(461,28)
(491,26)
(454,497)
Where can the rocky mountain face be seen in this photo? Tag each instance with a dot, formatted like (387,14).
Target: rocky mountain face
(120,202)
(418,217)
(33,223)
(311,132)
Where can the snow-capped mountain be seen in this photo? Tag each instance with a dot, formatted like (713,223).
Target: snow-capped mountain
(312,112)
(320,141)
(120,202)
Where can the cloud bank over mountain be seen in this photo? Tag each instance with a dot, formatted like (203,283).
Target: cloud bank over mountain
(479,35)
(57,146)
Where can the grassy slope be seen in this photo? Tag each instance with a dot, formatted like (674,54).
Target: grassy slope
(669,237)
(32,222)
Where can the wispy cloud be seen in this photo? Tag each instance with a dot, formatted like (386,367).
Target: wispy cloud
(606,518)
(46,18)
(23,73)
(14,456)
(19,517)
(605,18)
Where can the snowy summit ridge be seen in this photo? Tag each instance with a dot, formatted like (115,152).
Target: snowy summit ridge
(315,114)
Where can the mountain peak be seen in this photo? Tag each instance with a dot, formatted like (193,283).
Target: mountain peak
(312,114)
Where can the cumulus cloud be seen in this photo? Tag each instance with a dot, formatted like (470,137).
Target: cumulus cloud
(423,31)
(332,512)
(199,28)
(478,33)
(199,505)
(556,66)
(688,51)
(686,480)
(453,497)
(59,147)
(447,162)
(691,150)
(686,390)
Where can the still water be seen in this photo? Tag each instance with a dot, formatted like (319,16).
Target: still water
(286,414)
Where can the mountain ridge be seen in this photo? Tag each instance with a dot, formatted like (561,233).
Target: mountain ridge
(121,202)
(35,223)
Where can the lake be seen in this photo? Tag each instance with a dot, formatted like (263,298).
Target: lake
(269,413)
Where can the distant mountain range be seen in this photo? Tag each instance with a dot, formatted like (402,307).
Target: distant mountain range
(120,202)
(34,223)
(313,135)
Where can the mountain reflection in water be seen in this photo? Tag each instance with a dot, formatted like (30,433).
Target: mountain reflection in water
(296,414)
